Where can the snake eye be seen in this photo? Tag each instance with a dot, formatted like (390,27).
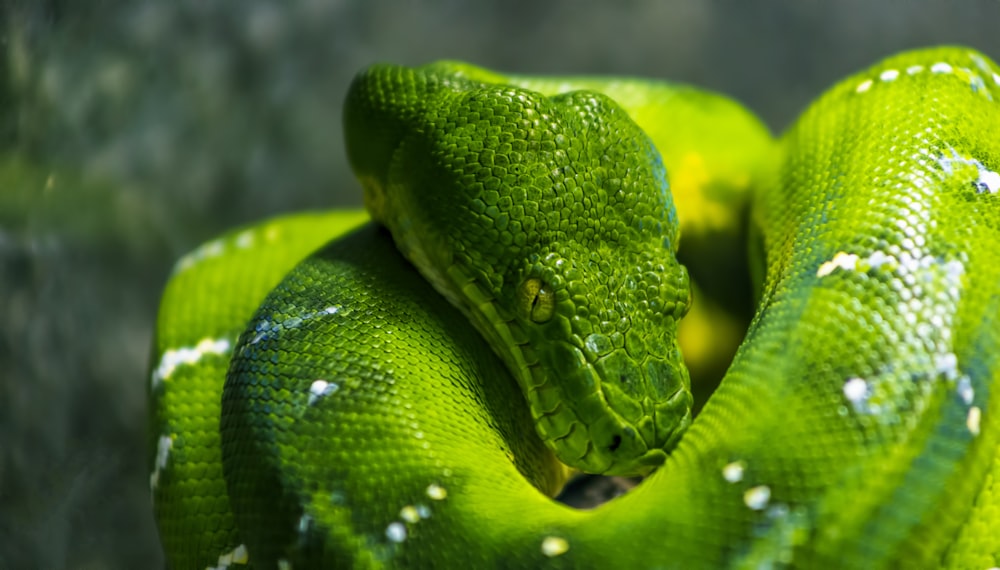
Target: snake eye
(537,300)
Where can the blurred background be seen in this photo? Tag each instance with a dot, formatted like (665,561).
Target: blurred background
(133,130)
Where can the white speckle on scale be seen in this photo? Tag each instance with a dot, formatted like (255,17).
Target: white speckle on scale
(941,67)
(946,364)
(989,181)
(305,521)
(240,555)
(864,86)
(757,497)
(208,250)
(889,75)
(554,546)
(842,260)
(237,555)
(973,420)
(396,532)
(733,472)
(856,391)
(245,239)
(954,269)
(914,69)
(163,447)
(965,390)
(437,492)
(877,259)
(320,389)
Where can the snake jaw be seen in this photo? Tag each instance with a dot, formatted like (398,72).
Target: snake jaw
(602,412)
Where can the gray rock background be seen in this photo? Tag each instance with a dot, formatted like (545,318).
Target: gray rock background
(140,128)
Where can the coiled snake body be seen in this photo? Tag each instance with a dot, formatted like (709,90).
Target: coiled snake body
(324,403)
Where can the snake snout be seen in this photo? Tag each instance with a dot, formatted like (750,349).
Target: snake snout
(651,399)
(617,415)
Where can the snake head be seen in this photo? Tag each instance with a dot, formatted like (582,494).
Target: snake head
(548,221)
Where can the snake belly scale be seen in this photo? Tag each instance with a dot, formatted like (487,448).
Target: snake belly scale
(408,392)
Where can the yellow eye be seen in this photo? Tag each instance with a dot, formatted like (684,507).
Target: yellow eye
(537,300)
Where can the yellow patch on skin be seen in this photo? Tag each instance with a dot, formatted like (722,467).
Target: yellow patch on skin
(697,212)
(706,334)
(972,421)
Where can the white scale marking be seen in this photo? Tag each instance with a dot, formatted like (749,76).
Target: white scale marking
(973,420)
(947,365)
(733,472)
(841,260)
(171,359)
(554,546)
(939,68)
(237,555)
(208,250)
(877,259)
(889,75)
(757,497)
(217,247)
(437,492)
(965,390)
(987,181)
(245,239)
(305,523)
(942,67)
(320,389)
(917,270)
(163,447)
(265,327)
(396,532)
(856,391)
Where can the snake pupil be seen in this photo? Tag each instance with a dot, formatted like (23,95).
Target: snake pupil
(539,298)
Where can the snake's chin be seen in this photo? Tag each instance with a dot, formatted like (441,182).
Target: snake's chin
(641,466)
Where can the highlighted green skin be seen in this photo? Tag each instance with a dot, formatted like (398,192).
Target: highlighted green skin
(856,427)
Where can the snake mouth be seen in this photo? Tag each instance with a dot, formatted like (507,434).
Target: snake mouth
(591,424)
(642,465)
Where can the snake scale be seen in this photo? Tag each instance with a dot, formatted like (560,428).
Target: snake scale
(331,392)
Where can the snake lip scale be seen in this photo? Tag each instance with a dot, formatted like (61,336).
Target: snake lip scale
(409,386)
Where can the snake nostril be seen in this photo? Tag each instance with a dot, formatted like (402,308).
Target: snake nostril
(616,441)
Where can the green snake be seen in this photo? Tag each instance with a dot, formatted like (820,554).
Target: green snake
(410,392)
